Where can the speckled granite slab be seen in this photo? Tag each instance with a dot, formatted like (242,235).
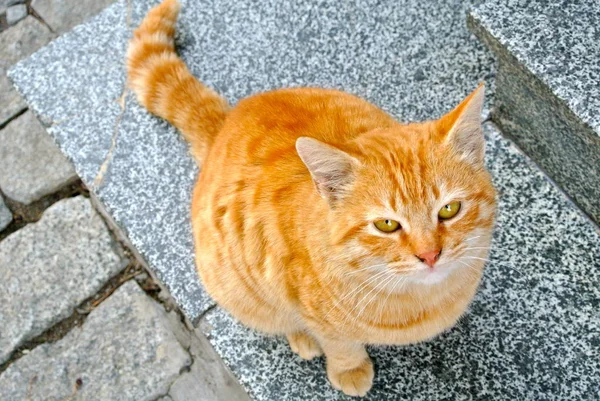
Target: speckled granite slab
(414,60)
(548,86)
(531,333)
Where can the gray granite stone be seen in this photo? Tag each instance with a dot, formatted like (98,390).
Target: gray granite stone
(16,43)
(32,166)
(530,334)
(414,60)
(49,267)
(13,2)
(208,378)
(15,13)
(126,350)
(143,176)
(558,41)
(3,6)
(548,87)
(63,15)
(5,214)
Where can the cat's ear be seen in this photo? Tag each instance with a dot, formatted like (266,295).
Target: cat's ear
(462,127)
(331,169)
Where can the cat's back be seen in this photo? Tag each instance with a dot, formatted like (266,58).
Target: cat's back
(263,128)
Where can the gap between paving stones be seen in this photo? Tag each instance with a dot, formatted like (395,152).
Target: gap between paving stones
(13,117)
(78,317)
(25,214)
(133,270)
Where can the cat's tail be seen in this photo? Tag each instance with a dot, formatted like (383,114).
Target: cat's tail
(164,85)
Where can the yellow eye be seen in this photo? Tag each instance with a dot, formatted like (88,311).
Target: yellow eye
(387,226)
(449,211)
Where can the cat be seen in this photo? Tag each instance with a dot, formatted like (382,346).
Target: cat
(318,216)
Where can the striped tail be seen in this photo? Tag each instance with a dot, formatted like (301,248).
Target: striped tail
(164,85)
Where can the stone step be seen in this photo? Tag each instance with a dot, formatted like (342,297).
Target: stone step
(415,61)
(548,86)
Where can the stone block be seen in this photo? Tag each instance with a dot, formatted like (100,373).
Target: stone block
(5,215)
(63,15)
(15,13)
(31,165)
(125,350)
(548,87)
(50,267)
(16,43)
(208,378)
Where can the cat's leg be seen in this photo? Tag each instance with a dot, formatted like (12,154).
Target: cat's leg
(349,367)
(304,344)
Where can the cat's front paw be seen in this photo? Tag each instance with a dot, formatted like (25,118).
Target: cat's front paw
(354,382)
(304,345)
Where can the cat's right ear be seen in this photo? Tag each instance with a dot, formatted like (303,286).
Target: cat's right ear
(462,127)
(331,169)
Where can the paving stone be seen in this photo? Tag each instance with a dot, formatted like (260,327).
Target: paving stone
(13,2)
(126,350)
(32,166)
(208,379)
(49,267)
(18,42)
(3,6)
(530,334)
(5,215)
(15,13)
(63,15)
(372,49)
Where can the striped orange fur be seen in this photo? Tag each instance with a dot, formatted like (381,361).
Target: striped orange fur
(283,211)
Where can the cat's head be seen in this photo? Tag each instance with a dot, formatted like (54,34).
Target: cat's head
(414,200)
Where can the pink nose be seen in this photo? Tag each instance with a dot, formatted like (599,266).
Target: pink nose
(429,257)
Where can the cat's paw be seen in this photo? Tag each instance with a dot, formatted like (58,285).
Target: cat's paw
(354,382)
(304,345)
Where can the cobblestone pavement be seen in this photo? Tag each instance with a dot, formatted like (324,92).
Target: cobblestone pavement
(80,318)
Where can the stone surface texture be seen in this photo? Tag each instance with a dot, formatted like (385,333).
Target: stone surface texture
(530,334)
(48,268)
(16,43)
(414,60)
(5,214)
(125,350)
(208,379)
(548,87)
(15,13)
(32,166)
(63,15)
(558,41)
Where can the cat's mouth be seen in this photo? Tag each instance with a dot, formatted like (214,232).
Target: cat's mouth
(425,275)
(429,276)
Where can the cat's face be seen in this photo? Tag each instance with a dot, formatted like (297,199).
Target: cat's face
(411,201)
(416,208)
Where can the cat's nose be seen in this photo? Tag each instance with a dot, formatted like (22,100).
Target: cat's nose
(429,257)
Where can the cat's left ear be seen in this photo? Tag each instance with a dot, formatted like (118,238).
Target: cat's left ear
(462,127)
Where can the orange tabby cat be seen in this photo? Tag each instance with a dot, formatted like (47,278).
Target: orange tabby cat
(318,216)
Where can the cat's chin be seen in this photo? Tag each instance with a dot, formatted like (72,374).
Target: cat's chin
(428,276)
